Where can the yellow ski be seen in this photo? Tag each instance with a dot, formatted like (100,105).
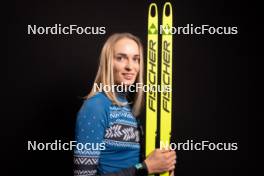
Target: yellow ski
(152,74)
(166,77)
(152,79)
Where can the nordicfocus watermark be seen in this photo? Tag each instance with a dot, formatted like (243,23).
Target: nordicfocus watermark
(199,30)
(59,29)
(59,145)
(202,145)
(130,88)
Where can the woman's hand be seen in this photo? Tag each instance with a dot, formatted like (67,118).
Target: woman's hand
(161,160)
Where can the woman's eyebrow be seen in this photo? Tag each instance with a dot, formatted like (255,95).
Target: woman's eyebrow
(125,55)
(122,54)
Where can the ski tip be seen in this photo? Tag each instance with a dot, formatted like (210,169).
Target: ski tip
(167,9)
(153,10)
(153,19)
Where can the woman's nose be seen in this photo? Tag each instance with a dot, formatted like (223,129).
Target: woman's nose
(129,64)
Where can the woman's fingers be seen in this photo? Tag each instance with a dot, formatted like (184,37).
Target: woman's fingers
(171,168)
(172,160)
(161,160)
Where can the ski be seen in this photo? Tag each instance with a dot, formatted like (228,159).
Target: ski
(164,106)
(152,79)
(166,77)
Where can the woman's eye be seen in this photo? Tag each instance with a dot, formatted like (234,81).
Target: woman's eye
(136,59)
(119,58)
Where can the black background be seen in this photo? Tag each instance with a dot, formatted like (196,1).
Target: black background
(48,75)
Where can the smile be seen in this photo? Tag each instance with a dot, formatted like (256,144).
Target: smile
(128,75)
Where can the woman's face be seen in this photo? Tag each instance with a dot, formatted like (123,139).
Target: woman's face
(126,61)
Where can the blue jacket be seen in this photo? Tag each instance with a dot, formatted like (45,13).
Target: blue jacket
(107,137)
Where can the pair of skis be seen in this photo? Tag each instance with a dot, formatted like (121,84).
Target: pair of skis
(161,107)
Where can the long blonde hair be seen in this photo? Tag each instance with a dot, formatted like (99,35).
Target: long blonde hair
(105,76)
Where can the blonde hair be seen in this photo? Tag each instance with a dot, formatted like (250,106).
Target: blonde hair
(105,71)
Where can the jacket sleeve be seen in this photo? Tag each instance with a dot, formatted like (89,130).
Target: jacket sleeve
(89,133)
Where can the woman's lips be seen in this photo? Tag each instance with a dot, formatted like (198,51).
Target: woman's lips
(128,76)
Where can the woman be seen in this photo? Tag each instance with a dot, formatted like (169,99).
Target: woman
(106,122)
